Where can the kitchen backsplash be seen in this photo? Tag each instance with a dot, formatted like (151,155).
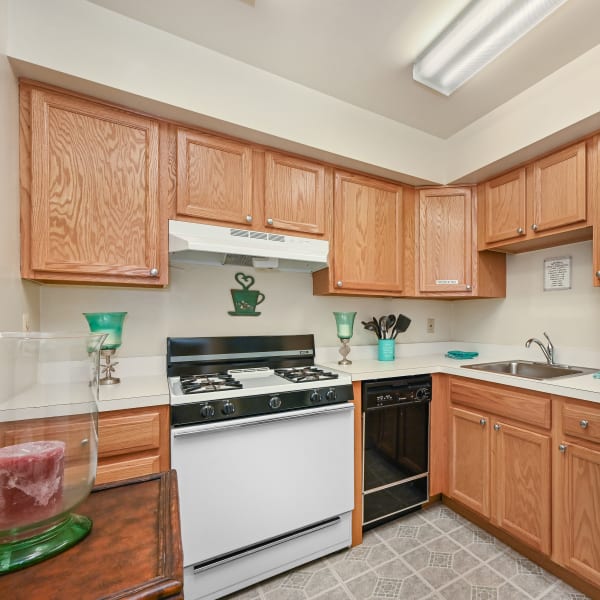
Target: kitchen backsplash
(198,300)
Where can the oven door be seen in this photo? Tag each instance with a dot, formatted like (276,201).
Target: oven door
(245,481)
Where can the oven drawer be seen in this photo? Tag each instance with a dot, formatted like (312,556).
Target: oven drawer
(242,482)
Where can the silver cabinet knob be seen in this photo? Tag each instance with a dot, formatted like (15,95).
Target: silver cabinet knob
(482,422)
(84,442)
(562,448)
(520,231)
(598,274)
(340,283)
(468,287)
(248,218)
(154,272)
(584,423)
(497,427)
(269,221)
(534,227)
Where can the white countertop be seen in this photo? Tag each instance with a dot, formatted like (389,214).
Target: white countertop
(582,387)
(134,392)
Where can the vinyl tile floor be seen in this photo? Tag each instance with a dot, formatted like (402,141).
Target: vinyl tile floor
(432,553)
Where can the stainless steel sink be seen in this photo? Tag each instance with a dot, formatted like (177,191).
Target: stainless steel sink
(531,370)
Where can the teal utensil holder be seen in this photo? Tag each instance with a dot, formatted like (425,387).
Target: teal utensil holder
(386,350)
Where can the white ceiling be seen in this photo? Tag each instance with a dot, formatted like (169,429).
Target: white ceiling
(361,51)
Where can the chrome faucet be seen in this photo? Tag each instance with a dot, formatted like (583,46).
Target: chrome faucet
(547,350)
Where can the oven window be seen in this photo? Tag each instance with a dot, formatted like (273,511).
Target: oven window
(395,444)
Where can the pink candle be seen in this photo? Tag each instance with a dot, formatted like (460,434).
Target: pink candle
(31,482)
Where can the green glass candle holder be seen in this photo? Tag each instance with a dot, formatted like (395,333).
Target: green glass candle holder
(111,324)
(344,322)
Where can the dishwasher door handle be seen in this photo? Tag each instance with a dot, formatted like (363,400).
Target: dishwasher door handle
(397,404)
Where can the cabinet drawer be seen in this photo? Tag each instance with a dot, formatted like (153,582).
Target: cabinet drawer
(581,421)
(125,469)
(124,434)
(505,401)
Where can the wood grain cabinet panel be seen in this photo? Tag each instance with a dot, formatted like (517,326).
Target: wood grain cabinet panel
(367,239)
(504,207)
(132,443)
(444,243)
(90,192)
(520,480)
(295,194)
(578,488)
(469,470)
(214,178)
(545,203)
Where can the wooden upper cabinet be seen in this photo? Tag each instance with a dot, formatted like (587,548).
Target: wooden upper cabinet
(559,195)
(504,208)
(543,204)
(295,194)
(444,247)
(90,192)
(367,240)
(214,178)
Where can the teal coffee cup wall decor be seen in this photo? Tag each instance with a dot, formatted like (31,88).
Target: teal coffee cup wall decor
(245,300)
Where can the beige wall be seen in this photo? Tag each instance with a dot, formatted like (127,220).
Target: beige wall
(16,297)
(198,300)
(571,317)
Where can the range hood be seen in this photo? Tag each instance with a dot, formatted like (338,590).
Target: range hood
(212,245)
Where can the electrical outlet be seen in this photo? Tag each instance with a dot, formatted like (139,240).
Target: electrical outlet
(430,325)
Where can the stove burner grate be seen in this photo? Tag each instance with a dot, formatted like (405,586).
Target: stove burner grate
(214,382)
(302,374)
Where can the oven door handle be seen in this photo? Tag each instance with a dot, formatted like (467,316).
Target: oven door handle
(221,426)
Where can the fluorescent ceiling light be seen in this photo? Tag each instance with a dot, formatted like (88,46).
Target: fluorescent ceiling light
(482,31)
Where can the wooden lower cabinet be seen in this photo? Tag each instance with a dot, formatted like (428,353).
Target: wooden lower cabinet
(577,489)
(132,443)
(498,468)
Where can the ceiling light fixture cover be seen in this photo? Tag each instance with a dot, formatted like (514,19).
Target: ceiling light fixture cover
(482,31)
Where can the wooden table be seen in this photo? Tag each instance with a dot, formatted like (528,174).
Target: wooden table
(133,551)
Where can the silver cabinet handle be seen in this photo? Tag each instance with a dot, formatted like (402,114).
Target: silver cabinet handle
(154,272)
(520,231)
(534,227)
(248,218)
(497,427)
(562,448)
(468,287)
(269,221)
(482,422)
(584,423)
(340,283)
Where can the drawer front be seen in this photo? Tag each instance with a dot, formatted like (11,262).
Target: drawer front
(582,421)
(125,469)
(512,403)
(125,434)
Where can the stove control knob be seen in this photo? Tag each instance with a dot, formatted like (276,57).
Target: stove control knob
(315,397)
(275,402)
(207,411)
(331,395)
(228,408)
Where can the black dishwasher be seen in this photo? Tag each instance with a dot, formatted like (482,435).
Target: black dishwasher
(395,446)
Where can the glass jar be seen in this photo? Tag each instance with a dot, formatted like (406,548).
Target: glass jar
(48,442)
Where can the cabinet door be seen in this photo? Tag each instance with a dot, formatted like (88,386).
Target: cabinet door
(367,234)
(295,194)
(559,189)
(579,489)
(504,207)
(94,211)
(444,246)
(214,178)
(470,459)
(521,484)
